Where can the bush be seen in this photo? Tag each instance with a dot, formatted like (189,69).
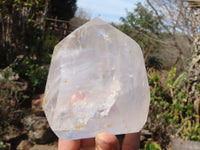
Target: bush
(11,98)
(152,146)
(154,62)
(171,112)
(34,73)
(160,102)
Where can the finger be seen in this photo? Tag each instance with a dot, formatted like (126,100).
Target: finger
(90,142)
(106,141)
(131,141)
(68,145)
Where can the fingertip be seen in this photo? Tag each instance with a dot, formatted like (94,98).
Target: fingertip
(107,141)
(68,144)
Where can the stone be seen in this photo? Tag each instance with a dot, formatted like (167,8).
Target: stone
(24,145)
(13,135)
(37,105)
(45,147)
(97,83)
(177,143)
(38,129)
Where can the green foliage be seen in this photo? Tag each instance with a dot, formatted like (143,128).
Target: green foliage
(9,119)
(34,67)
(152,146)
(10,99)
(26,44)
(159,107)
(4,146)
(171,107)
(143,26)
(31,71)
(28,52)
(49,42)
(58,8)
(23,31)
(171,76)
(9,89)
(154,62)
(23,27)
(198,88)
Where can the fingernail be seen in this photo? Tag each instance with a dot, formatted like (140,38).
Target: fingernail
(98,147)
(101,144)
(98,143)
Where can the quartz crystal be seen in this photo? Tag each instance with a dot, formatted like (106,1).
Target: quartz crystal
(97,83)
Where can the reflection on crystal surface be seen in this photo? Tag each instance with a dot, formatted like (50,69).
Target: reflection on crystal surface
(97,83)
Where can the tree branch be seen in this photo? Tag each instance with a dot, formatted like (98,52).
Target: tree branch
(160,21)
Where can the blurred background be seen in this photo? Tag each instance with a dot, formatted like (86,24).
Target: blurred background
(166,30)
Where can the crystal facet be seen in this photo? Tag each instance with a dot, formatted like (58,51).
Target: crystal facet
(97,83)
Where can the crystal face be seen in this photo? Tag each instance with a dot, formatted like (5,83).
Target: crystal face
(97,83)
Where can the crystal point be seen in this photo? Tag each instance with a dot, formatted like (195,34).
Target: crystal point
(97,83)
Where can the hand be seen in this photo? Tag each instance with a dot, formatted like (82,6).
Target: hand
(103,141)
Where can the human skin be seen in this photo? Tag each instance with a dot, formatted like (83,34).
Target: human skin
(103,141)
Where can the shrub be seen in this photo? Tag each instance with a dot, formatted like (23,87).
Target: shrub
(171,112)
(152,146)
(10,99)
(34,73)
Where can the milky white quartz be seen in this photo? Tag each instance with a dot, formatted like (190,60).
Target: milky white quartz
(97,83)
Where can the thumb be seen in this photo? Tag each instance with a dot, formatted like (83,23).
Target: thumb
(106,141)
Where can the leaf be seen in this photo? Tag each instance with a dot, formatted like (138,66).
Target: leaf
(152,146)
(178,82)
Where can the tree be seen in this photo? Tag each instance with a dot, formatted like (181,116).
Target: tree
(22,26)
(63,9)
(193,80)
(26,42)
(142,25)
(183,17)
(174,22)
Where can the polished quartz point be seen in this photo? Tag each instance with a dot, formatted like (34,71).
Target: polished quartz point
(97,83)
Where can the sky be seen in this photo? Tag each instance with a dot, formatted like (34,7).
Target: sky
(108,10)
